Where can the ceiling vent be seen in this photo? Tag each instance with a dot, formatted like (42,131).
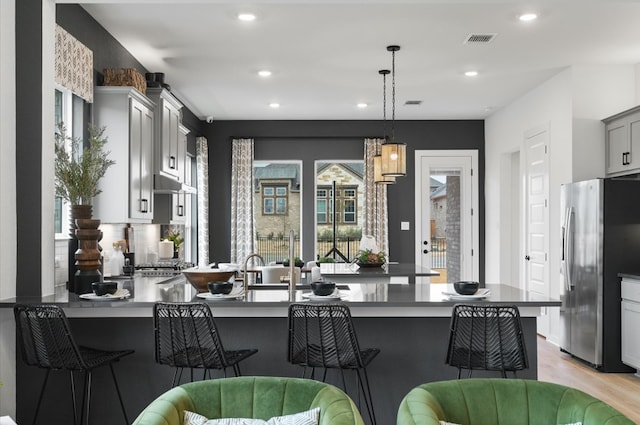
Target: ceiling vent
(479,38)
(413,102)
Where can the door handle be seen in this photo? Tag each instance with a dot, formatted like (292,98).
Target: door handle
(526,257)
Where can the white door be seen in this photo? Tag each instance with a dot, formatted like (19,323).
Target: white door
(536,217)
(446,213)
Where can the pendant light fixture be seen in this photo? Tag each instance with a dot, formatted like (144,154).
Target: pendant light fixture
(394,154)
(377,160)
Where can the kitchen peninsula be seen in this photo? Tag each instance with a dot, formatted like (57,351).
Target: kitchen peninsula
(409,322)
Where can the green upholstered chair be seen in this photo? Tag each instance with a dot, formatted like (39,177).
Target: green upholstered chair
(260,397)
(504,402)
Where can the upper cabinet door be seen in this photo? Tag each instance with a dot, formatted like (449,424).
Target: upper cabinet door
(141,163)
(127,187)
(167,135)
(622,143)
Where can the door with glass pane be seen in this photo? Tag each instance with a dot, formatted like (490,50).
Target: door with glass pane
(446,218)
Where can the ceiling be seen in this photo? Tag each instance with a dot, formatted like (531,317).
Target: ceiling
(325,55)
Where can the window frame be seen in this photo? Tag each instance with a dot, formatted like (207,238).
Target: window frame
(67,116)
(276,207)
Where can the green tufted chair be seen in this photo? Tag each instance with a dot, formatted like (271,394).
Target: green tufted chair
(260,397)
(504,402)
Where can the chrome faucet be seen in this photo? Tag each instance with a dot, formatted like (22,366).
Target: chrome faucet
(244,269)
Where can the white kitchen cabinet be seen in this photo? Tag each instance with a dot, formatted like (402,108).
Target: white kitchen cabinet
(622,143)
(630,322)
(180,199)
(167,133)
(171,208)
(127,187)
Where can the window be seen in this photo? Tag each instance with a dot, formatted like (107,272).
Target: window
(278,207)
(322,206)
(349,214)
(274,200)
(346,205)
(338,231)
(63,114)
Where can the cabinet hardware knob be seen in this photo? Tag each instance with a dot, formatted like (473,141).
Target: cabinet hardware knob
(425,251)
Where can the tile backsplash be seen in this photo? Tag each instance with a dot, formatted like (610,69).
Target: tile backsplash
(146,238)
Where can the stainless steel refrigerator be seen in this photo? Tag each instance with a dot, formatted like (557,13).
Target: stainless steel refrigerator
(600,238)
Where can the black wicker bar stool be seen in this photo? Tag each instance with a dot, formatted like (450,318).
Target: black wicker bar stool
(487,337)
(323,336)
(187,337)
(46,341)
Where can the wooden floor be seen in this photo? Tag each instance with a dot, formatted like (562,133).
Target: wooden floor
(620,390)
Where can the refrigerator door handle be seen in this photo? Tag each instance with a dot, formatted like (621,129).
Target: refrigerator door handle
(568,248)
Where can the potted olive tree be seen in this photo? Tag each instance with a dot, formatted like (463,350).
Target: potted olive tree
(78,169)
(80,166)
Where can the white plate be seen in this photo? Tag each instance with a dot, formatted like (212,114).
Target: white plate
(481,294)
(119,295)
(312,296)
(210,296)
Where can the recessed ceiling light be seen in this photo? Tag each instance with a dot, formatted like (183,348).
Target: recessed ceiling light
(264,73)
(471,73)
(362,105)
(526,17)
(247,17)
(274,105)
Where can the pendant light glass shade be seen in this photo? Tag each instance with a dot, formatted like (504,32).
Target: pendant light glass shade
(377,172)
(394,154)
(394,159)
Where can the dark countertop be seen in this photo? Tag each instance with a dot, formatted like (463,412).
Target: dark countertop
(365,299)
(390,269)
(629,275)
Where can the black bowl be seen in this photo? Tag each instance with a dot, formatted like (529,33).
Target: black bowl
(466,287)
(323,288)
(220,287)
(106,287)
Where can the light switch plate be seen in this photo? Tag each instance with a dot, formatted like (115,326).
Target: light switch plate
(404,225)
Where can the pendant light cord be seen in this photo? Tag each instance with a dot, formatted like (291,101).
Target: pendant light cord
(393,95)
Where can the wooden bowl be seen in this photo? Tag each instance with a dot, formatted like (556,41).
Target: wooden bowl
(199,278)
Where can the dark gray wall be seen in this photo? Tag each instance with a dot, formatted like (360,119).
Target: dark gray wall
(29,147)
(313,140)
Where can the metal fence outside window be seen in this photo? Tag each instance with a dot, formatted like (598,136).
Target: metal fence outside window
(277,249)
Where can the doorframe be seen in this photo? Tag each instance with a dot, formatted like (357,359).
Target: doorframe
(543,322)
(474,202)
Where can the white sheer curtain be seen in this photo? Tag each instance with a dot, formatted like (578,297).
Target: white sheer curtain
(202,168)
(243,235)
(376,219)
